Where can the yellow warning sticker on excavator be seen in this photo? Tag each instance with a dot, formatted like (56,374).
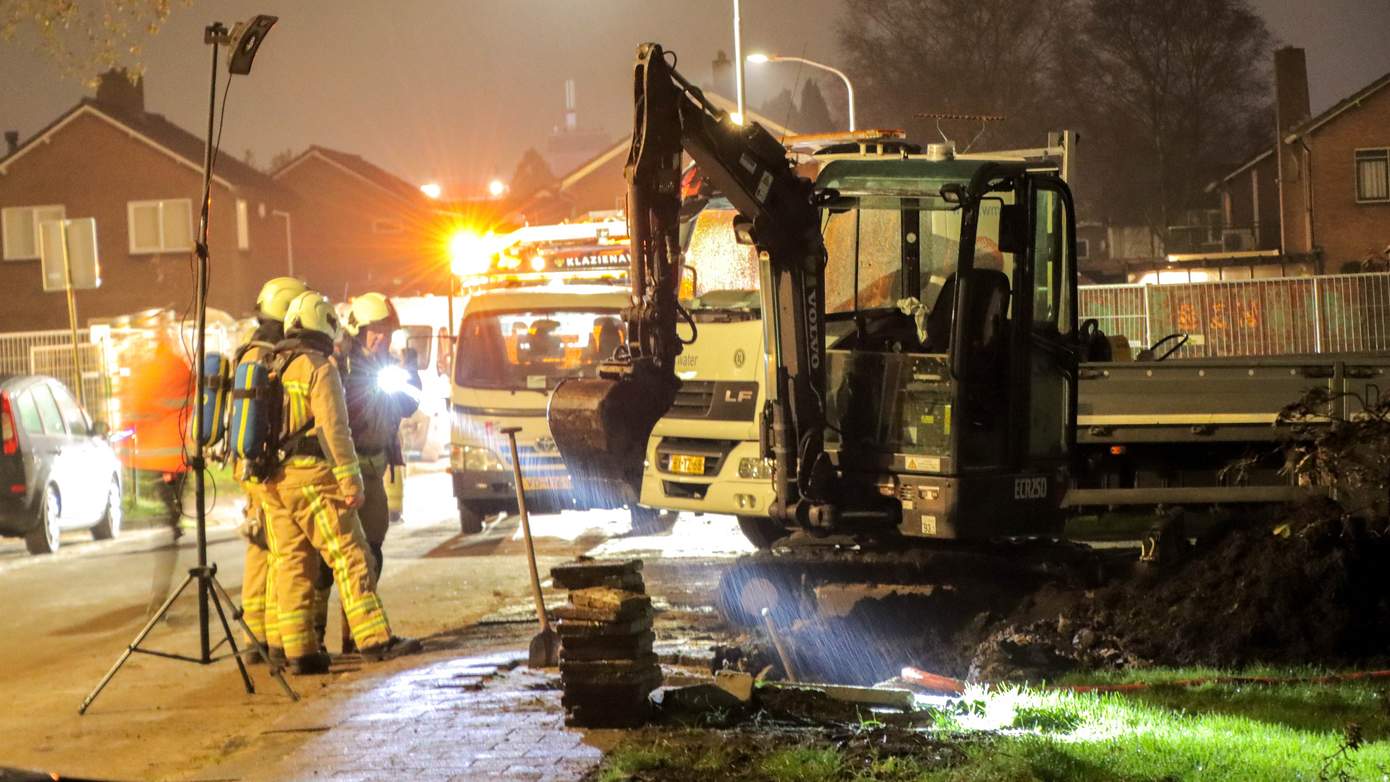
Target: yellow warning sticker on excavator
(928,525)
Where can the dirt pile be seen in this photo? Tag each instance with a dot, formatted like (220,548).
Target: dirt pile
(1310,590)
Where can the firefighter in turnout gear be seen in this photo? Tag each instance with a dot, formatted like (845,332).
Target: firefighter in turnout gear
(258,577)
(311,499)
(380,393)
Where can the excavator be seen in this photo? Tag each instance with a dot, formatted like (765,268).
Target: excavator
(922,348)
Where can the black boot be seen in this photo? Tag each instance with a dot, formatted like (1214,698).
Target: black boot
(397,646)
(310,664)
(277,657)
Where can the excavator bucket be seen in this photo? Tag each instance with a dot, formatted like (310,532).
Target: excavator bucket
(601,428)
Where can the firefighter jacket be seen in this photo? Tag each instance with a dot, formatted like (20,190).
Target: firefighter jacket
(375,415)
(314,402)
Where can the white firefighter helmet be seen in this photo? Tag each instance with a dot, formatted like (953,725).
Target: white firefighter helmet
(370,308)
(312,311)
(276,296)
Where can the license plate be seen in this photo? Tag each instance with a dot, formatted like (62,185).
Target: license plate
(546,483)
(687,465)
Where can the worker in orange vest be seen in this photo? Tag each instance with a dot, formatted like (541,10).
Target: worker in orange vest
(156,404)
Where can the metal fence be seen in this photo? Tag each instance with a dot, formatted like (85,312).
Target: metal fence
(50,353)
(1322,314)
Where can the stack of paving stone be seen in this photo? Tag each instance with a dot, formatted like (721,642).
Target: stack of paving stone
(607,668)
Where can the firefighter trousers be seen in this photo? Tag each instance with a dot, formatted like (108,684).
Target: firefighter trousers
(258,575)
(375,515)
(309,520)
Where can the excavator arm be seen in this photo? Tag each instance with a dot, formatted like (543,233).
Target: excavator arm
(602,425)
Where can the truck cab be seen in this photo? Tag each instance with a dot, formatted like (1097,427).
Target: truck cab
(514,347)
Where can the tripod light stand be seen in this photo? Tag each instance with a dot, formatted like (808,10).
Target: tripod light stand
(244,39)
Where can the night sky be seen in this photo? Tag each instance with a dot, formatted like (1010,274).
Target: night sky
(456,91)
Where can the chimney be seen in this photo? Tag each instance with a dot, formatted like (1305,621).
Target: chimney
(11,142)
(571,111)
(1290,88)
(115,89)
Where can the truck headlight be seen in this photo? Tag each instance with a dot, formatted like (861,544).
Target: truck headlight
(753,468)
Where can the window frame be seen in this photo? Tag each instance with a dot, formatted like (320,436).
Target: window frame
(159,204)
(21,399)
(1383,154)
(243,224)
(385,226)
(68,405)
(5,242)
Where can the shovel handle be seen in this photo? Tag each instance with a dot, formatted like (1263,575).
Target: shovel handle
(510,432)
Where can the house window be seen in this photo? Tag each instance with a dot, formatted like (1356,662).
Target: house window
(20,225)
(1373,175)
(1083,248)
(160,226)
(387,227)
(243,225)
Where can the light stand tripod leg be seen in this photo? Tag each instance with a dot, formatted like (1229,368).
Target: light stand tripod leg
(237,614)
(227,629)
(129,650)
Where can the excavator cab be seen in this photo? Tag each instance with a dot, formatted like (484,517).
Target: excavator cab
(952,381)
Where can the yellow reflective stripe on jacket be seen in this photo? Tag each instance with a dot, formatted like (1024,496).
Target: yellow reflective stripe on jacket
(297,411)
(348,470)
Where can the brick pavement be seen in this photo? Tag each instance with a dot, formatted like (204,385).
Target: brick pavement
(439,718)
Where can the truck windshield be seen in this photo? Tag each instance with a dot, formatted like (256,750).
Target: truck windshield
(720,278)
(535,349)
(877,245)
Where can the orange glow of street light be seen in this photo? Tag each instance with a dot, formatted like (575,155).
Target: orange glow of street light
(470,253)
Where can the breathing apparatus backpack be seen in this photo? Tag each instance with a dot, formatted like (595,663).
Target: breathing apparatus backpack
(256,431)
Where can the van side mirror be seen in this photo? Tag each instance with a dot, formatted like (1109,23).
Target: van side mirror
(1013,228)
(980,355)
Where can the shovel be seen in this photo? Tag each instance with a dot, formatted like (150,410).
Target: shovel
(545,647)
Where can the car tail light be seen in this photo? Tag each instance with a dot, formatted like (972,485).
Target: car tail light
(16,488)
(9,435)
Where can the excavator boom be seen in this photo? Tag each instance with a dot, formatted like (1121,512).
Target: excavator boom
(601,426)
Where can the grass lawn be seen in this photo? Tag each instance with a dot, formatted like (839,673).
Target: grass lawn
(1212,732)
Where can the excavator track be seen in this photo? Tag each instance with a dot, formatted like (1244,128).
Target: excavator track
(807,579)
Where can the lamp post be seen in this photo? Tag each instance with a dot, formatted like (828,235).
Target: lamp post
(849,88)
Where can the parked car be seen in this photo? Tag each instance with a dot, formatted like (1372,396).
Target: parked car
(57,470)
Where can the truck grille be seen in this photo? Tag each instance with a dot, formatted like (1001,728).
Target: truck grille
(693,400)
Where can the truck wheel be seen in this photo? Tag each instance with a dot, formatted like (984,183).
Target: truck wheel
(44,538)
(471,518)
(761,531)
(110,524)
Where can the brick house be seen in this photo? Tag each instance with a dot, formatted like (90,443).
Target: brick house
(140,177)
(1320,195)
(358,227)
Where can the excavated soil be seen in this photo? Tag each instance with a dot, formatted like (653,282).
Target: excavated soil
(1302,586)
(1309,590)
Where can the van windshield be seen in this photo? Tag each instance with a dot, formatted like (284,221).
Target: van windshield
(535,349)
(720,278)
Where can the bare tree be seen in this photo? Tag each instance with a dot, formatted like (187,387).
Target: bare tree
(532,173)
(907,57)
(1178,90)
(86,37)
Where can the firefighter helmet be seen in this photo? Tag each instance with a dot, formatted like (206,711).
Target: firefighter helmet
(276,296)
(369,309)
(312,311)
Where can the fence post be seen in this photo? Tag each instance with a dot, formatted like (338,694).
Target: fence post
(1317,317)
(1148,329)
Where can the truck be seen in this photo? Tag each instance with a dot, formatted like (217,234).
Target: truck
(547,307)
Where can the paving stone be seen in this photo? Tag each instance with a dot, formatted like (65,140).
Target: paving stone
(577,627)
(604,604)
(583,573)
(608,647)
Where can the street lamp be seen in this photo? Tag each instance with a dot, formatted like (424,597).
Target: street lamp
(759,58)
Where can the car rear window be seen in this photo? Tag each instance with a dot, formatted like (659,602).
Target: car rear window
(28,414)
(48,410)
